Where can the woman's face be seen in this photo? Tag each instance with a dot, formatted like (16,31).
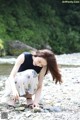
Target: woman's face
(39,61)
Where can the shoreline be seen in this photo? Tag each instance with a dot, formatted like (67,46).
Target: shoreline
(63,59)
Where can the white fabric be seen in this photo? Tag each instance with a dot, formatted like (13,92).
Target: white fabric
(26,81)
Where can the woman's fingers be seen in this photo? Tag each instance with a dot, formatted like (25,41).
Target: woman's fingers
(15,95)
(35,105)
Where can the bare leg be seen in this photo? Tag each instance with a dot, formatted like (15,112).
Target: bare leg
(29,98)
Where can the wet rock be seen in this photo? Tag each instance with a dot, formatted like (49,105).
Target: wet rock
(37,109)
(56,109)
(53,108)
(20,108)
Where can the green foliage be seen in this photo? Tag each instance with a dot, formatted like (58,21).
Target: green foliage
(73,41)
(1,44)
(2,49)
(41,23)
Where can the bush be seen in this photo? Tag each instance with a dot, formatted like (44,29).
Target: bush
(2,49)
(41,23)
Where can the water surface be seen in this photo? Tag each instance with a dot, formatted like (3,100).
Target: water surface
(5,69)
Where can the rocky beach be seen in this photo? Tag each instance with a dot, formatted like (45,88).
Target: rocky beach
(58,102)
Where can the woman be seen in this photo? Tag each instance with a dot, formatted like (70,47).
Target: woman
(27,75)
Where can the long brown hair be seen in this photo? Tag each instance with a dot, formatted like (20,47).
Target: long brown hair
(52,65)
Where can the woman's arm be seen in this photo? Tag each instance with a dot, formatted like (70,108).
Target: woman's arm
(13,73)
(38,92)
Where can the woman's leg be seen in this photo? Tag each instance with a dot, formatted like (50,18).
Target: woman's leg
(31,86)
(26,82)
(29,98)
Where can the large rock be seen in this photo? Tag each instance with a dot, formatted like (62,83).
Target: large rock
(17,47)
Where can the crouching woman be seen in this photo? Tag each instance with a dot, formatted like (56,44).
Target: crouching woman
(26,77)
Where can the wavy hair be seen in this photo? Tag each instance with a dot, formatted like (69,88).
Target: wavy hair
(52,65)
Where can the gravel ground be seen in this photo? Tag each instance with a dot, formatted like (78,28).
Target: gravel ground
(58,102)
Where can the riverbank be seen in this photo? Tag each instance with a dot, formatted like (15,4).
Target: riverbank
(58,102)
(63,59)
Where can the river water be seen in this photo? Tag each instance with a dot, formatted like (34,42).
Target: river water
(5,69)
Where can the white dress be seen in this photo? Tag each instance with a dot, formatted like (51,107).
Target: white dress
(26,81)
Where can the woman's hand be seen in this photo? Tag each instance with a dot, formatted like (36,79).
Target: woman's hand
(15,95)
(35,105)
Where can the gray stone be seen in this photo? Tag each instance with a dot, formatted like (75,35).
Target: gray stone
(16,47)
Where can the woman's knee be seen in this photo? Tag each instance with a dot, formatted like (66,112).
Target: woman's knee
(31,74)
